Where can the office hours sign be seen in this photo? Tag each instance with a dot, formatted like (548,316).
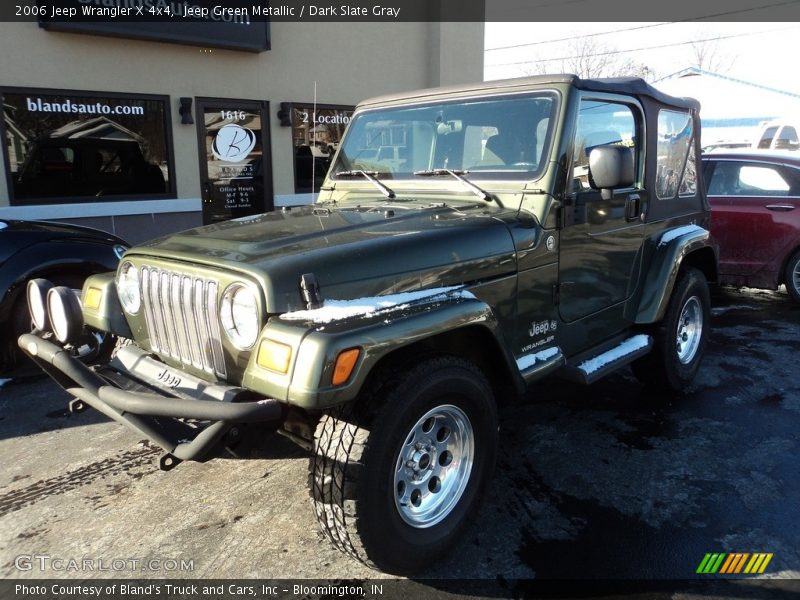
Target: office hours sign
(235,177)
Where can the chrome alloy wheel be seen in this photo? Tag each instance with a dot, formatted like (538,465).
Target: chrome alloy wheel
(690,330)
(433,466)
(796,276)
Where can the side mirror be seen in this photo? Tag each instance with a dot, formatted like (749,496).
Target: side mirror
(611,167)
(448,127)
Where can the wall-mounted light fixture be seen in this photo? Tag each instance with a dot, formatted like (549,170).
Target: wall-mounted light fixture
(185,111)
(285,114)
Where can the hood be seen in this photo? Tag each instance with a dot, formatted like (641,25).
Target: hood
(353,251)
(17,235)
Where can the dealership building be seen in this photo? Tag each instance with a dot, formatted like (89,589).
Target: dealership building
(142,130)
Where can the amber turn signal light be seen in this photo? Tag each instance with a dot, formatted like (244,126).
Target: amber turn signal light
(274,356)
(92,298)
(344,365)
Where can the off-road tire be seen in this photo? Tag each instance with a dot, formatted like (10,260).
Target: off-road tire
(356,450)
(19,322)
(662,367)
(791,276)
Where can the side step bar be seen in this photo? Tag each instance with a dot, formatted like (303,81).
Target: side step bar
(588,369)
(539,364)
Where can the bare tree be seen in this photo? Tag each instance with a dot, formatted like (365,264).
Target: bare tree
(706,55)
(589,58)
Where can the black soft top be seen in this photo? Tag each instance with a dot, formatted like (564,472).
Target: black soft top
(635,86)
(622,85)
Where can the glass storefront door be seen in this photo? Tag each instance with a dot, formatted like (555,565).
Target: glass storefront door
(235,164)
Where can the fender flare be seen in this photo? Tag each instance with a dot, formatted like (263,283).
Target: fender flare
(378,336)
(670,250)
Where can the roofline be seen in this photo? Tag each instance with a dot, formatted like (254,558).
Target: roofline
(694,70)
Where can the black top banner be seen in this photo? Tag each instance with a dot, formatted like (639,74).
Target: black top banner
(64,13)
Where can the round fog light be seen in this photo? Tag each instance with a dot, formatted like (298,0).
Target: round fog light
(64,310)
(37,299)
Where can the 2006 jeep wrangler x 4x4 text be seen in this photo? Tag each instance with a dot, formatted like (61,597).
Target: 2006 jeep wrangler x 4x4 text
(549,225)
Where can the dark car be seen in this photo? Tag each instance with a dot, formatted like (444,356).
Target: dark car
(63,254)
(755,202)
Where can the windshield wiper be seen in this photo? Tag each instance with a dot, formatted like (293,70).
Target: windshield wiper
(482,194)
(369,176)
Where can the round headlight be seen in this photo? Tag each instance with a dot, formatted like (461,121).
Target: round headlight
(128,288)
(37,298)
(64,311)
(238,314)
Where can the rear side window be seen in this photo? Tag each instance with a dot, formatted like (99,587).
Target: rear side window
(762,181)
(732,178)
(767,137)
(676,173)
(787,139)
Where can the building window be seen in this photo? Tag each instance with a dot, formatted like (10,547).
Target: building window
(316,135)
(80,146)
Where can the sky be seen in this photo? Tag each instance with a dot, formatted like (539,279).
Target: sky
(761,53)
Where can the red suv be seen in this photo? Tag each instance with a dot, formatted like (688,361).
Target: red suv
(755,203)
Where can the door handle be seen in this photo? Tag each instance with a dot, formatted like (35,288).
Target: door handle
(780,207)
(633,206)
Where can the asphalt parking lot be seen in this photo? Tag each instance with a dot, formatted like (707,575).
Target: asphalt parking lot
(610,481)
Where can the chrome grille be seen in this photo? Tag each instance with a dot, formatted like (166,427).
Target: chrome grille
(181,314)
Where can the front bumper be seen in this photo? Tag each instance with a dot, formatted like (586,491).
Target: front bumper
(187,421)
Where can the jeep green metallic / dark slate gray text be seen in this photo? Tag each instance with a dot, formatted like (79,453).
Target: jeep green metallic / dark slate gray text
(516,229)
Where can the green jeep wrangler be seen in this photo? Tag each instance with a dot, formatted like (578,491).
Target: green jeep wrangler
(523,228)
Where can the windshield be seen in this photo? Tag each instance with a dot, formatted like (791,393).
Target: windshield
(493,138)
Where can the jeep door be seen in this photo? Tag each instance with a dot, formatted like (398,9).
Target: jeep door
(601,237)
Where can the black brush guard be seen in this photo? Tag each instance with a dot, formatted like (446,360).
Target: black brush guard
(156,415)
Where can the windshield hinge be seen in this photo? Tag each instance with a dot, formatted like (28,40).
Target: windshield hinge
(560,216)
(309,290)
